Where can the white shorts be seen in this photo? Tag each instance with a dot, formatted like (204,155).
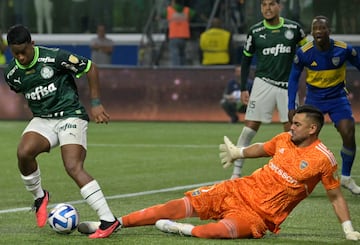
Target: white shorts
(264,98)
(60,131)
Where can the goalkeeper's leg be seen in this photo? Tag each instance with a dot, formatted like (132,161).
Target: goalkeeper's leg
(245,139)
(225,228)
(174,209)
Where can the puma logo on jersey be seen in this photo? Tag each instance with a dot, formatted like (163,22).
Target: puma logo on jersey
(40,92)
(262,36)
(313,63)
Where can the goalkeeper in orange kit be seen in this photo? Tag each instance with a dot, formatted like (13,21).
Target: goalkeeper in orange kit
(247,207)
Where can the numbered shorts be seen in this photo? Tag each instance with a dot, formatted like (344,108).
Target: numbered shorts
(264,98)
(60,131)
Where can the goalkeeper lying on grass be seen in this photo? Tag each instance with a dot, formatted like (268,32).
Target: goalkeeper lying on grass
(247,207)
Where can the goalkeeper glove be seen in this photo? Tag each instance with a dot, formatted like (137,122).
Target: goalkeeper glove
(229,152)
(350,234)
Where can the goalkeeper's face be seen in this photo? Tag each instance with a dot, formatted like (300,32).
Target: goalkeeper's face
(303,130)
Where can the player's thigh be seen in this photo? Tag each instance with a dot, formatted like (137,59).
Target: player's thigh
(72,131)
(45,128)
(262,102)
(340,109)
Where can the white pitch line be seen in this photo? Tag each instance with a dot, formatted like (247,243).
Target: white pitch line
(142,193)
(154,145)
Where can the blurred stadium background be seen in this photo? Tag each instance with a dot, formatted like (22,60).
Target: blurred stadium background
(140,84)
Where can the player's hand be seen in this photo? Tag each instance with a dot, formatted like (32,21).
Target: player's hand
(245,97)
(99,114)
(352,235)
(291,114)
(229,153)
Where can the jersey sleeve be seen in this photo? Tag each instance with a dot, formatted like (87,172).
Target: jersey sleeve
(302,36)
(248,52)
(294,77)
(9,72)
(270,146)
(353,56)
(73,63)
(330,178)
(249,46)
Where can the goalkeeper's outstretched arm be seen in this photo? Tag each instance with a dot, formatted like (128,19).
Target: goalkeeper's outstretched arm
(342,212)
(229,152)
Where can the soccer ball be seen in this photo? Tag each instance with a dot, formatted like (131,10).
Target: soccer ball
(63,218)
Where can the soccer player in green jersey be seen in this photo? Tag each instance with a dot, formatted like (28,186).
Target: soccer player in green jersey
(46,79)
(273,41)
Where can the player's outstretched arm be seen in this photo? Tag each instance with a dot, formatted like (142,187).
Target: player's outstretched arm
(342,212)
(229,152)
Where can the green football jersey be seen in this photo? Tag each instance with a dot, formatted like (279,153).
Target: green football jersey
(48,83)
(274,48)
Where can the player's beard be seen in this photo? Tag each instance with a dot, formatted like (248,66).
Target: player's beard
(297,140)
(271,20)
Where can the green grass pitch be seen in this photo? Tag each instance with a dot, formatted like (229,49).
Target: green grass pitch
(139,164)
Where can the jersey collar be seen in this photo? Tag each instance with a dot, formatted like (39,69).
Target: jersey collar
(274,27)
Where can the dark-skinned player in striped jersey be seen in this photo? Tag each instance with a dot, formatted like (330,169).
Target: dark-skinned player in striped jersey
(324,60)
(273,41)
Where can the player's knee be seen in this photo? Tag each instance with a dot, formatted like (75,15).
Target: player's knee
(73,168)
(26,153)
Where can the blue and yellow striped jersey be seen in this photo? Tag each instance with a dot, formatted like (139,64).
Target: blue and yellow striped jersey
(325,70)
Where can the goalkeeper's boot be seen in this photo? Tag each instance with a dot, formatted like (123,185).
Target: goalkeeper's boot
(40,208)
(106,229)
(169,226)
(349,183)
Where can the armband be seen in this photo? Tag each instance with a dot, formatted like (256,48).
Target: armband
(95,102)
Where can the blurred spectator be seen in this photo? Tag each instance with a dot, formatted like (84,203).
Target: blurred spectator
(101,12)
(3,14)
(330,9)
(3,47)
(202,9)
(20,11)
(231,102)
(215,45)
(291,10)
(101,47)
(238,14)
(349,17)
(79,16)
(43,9)
(178,17)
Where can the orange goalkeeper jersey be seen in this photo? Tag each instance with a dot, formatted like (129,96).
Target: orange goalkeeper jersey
(264,199)
(290,176)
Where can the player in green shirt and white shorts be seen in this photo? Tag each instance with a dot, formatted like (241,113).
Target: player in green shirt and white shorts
(45,77)
(273,41)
